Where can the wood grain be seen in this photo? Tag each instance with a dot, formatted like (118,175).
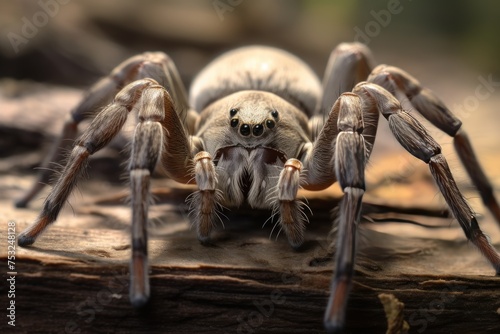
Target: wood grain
(74,279)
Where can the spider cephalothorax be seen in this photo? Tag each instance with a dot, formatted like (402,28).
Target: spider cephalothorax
(258,126)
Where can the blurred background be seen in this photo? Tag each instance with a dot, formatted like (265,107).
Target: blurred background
(74,42)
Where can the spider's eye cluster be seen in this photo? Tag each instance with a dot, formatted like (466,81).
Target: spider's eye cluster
(234,120)
(270,123)
(255,129)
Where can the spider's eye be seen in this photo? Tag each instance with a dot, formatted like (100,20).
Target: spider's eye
(270,124)
(245,129)
(258,129)
(275,114)
(233,112)
(234,122)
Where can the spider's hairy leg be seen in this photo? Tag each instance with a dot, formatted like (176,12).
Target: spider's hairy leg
(146,150)
(291,216)
(316,156)
(350,159)
(204,203)
(99,95)
(160,134)
(103,128)
(155,65)
(348,64)
(160,67)
(416,140)
(407,88)
(357,122)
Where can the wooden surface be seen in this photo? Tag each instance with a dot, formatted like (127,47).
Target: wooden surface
(75,277)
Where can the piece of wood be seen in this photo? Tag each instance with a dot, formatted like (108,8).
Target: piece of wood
(74,279)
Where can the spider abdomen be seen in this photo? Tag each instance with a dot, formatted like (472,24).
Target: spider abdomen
(257,68)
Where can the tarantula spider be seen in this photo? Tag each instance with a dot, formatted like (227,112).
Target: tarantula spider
(258,126)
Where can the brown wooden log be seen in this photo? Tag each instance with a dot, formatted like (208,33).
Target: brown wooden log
(74,279)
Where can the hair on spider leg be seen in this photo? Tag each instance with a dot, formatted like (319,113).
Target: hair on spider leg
(127,200)
(272,196)
(193,215)
(57,167)
(335,219)
(55,173)
(219,208)
(276,224)
(218,214)
(274,212)
(193,200)
(304,203)
(155,223)
(59,171)
(301,217)
(124,163)
(193,177)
